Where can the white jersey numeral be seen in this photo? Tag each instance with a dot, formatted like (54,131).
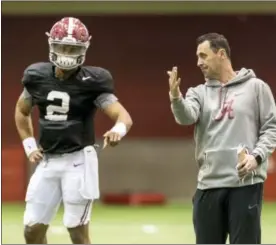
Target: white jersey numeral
(63,109)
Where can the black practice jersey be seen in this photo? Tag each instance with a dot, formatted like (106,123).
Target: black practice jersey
(66,108)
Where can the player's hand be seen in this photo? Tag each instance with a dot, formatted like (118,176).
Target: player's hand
(247,165)
(111,139)
(174,83)
(35,157)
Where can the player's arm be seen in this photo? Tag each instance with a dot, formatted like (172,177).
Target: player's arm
(23,119)
(110,106)
(23,122)
(267,118)
(186,110)
(119,115)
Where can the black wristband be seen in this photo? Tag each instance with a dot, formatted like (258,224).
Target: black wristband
(258,159)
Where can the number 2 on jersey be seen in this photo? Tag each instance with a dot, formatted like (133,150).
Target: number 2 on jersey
(62,110)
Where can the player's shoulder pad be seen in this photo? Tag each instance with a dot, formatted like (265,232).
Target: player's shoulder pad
(36,71)
(100,77)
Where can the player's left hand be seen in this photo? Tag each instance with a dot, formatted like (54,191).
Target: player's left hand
(247,165)
(111,139)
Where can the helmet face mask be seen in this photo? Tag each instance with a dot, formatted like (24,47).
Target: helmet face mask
(68,42)
(67,56)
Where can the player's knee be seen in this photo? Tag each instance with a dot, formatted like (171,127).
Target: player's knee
(77,215)
(35,233)
(73,222)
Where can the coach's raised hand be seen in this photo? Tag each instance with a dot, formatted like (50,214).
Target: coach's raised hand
(174,83)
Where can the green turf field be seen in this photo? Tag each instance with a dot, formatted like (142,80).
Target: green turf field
(132,225)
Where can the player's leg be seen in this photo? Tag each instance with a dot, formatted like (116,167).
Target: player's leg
(245,205)
(77,209)
(42,201)
(79,229)
(36,234)
(209,216)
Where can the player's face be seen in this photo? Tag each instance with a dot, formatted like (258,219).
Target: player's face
(208,61)
(68,50)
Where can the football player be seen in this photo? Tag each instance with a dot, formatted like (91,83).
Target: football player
(67,95)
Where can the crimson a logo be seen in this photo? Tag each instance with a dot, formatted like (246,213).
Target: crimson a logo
(227,109)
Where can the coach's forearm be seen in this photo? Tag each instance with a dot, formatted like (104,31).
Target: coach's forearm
(23,124)
(182,112)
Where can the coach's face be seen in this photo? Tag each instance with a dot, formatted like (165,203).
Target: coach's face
(208,61)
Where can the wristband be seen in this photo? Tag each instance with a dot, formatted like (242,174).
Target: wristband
(119,128)
(258,159)
(29,145)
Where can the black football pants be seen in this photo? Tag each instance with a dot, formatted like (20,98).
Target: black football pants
(233,211)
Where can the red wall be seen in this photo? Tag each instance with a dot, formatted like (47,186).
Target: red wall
(138,51)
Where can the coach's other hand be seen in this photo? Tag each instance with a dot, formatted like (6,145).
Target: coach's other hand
(35,157)
(247,165)
(111,139)
(174,83)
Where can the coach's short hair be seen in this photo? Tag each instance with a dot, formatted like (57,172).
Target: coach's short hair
(217,41)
